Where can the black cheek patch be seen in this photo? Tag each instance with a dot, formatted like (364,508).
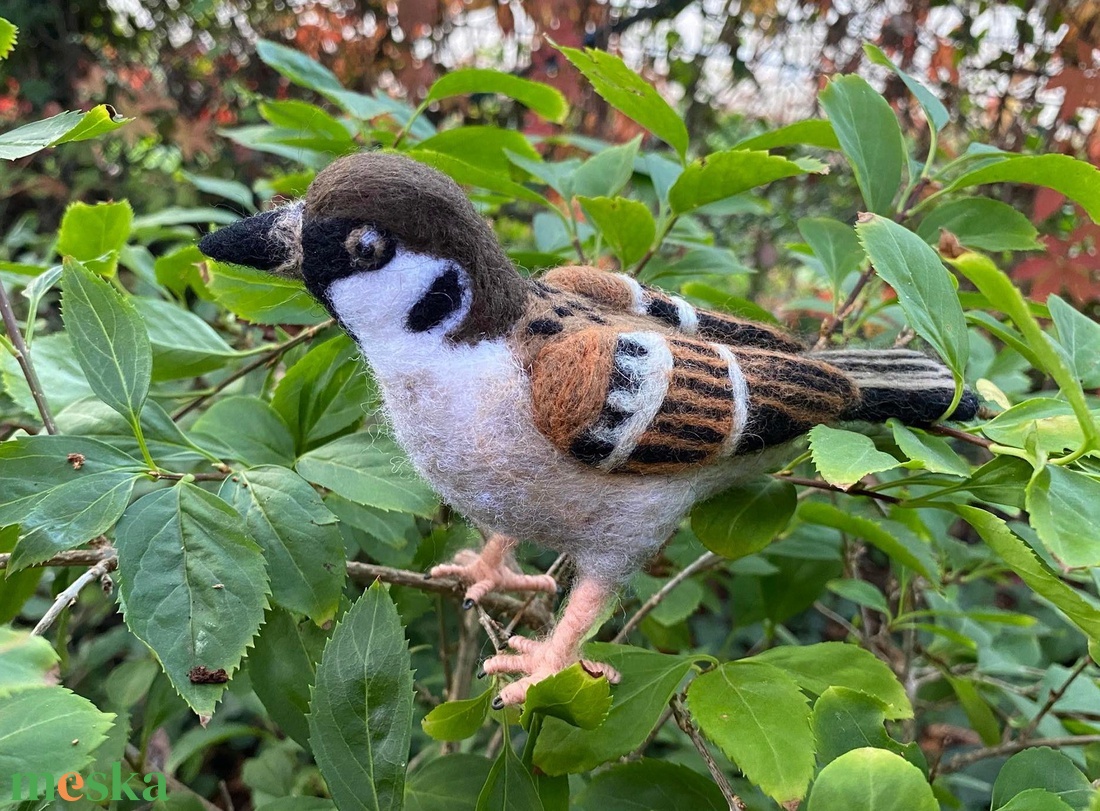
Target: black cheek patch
(443,298)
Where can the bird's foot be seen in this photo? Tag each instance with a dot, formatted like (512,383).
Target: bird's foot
(482,576)
(537,661)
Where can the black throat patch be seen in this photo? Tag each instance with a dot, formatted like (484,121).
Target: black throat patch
(443,298)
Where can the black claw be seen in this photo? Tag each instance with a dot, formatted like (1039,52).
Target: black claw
(467,604)
(498,703)
(481,673)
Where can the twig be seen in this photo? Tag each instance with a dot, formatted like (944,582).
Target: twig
(834,323)
(852,491)
(827,612)
(947,430)
(704,561)
(23,357)
(133,758)
(653,248)
(683,720)
(66,598)
(1012,747)
(510,628)
(263,360)
(75,557)
(1052,699)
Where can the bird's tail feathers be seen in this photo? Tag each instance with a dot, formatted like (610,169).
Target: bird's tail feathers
(899,383)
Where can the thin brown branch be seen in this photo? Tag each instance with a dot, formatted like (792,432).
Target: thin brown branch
(1052,699)
(265,359)
(683,720)
(704,561)
(834,323)
(66,598)
(960,762)
(23,358)
(955,433)
(133,758)
(832,488)
(510,628)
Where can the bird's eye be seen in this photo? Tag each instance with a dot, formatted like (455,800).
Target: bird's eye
(371,250)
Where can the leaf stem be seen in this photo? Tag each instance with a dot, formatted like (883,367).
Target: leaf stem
(66,598)
(683,720)
(23,357)
(139,435)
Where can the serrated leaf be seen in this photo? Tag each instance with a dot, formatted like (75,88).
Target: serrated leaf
(845,719)
(30,138)
(812,132)
(607,172)
(573,695)
(99,120)
(890,537)
(844,457)
(281,668)
(481,146)
(746,518)
(360,719)
(651,785)
(630,94)
(8,36)
(933,108)
(1076,179)
(627,225)
(51,731)
(1045,768)
(836,664)
(89,232)
(981,223)
(836,245)
(183,345)
(62,491)
(1060,503)
(467,174)
(25,661)
(451,783)
(459,719)
(246,429)
(109,340)
(871,780)
(298,535)
(1049,424)
(194,587)
(648,681)
(1079,335)
(759,718)
(369,468)
(724,174)
(327,392)
(263,298)
(545,100)
(870,137)
(928,452)
(509,784)
(923,285)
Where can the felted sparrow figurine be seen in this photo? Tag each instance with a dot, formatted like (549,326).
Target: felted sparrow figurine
(582,411)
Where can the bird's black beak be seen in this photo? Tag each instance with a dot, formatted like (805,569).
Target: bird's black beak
(270,241)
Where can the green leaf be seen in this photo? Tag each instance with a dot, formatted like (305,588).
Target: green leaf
(1045,768)
(1074,178)
(724,174)
(890,537)
(8,36)
(109,340)
(1036,799)
(845,719)
(298,535)
(818,667)
(1049,424)
(457,720)
(509,784)
(870,137)
(451,783)
(836,245)
(360,718)
(744,519)
(469,174)
(481,146)
(88,233)
(924,287)
(361,468)
(298,67)
(547,101)
(25,661)
(631,95)
(933,108)
(860,592)
(844,457)
(59,372)
(1081,612)
(607,172)
(307,119)
(62,491)
(51,731)
(651,785)
(325,393)
(648,681)
(263,298)
(812,132)
(759,718)
(30,138)
(1061,504)
(245,429)
(677,605)
(193,585)
(99,120)
(1079,335)
(978,712)
(573,695)
(871,780)
(231,190)
(281,669)
(927,452)
(981,223)
(16,588)
(627,226)
(183,344)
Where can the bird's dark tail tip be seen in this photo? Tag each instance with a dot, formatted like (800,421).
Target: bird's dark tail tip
(900,383)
